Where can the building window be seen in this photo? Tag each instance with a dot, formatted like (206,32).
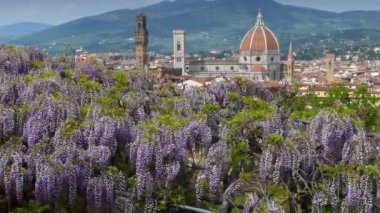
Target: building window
(272,59)
(232,68)
(245,58)
(202,68)
(217,68)
(178,46)
(187,68)
(179,60)
(258,58)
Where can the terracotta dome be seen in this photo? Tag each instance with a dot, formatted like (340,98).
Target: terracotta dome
(259,38)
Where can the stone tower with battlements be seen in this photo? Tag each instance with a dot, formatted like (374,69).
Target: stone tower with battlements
(141,42)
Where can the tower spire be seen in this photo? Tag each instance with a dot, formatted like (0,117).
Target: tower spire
(291,63)
(290,53)
(260,19)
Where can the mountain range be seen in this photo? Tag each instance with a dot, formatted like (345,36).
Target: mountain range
(209,24)
(21,29)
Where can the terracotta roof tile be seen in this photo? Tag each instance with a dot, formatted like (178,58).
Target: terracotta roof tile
(259,39)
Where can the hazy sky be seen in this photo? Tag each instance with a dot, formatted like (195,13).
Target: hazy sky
(59,11)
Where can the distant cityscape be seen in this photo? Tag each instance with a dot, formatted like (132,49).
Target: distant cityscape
(259,59)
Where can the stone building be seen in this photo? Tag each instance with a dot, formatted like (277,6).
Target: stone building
(259,58)
(330,67)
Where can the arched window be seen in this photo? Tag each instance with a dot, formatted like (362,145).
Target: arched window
(139,27)
(217,68)
(232,68)
(258,58)
(178,46)
(272,59)
(202,68)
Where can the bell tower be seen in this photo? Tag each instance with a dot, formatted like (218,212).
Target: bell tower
(179,50)
(141,42)
(290,63)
